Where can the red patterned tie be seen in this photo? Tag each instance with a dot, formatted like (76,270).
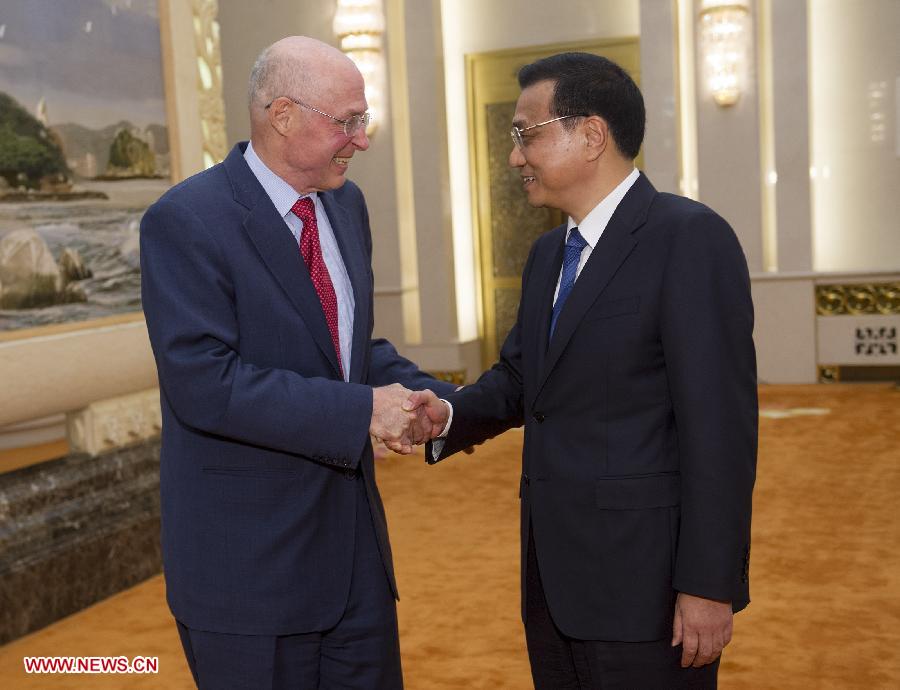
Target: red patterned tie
(318,271)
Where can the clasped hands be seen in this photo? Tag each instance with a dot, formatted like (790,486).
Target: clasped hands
(402,418)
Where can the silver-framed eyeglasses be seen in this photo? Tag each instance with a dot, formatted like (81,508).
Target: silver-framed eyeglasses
(351,125)
(517,132)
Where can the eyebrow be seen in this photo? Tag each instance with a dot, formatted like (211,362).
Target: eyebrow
(353,112)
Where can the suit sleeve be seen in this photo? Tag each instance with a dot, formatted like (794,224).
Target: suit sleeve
(707,337)
(388,366)
(496,401)
(188,300)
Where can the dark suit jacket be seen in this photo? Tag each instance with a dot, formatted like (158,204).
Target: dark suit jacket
(260,435)
(640,418)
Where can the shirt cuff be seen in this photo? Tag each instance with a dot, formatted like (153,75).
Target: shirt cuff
(437,444)
(446,430)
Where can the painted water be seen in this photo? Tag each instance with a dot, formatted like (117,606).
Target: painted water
(105,233)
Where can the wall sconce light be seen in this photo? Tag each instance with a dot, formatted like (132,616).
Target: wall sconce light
(725,37)
(360,24)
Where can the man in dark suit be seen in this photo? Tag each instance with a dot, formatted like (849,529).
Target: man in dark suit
(633,370)
(257,288)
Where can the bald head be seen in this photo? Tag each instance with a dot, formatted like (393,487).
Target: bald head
(307,102)
(296,66)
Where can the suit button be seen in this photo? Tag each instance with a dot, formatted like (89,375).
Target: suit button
(526,479)
(539,417)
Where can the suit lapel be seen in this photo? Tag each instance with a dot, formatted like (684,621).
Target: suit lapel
(279,251)
(614,246)
(544,274)
(355,261)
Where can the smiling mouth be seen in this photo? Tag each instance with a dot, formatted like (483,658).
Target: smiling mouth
(527,180)
(341,161)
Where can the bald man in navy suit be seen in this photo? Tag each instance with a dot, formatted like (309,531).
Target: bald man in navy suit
(257,288)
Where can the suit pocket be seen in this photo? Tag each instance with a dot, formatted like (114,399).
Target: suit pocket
(260,472)
(253,486)
(639,492)
(614,307)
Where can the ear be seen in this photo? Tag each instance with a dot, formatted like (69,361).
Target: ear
(596,134)
(281,115)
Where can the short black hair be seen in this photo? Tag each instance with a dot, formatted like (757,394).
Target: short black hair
(587,84)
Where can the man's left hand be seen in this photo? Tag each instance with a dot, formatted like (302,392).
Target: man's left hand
(703,627)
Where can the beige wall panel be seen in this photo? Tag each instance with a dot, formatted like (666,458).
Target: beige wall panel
(247,28)
(870,340)
(60,372)
(428,168)
(785,330)
(728,145)
(389,313)
(512,24)
(854,65)
(791,109)
(659,74)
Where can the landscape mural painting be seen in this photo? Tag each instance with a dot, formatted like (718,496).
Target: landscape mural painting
(84,149)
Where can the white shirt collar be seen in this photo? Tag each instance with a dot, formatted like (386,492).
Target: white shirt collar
(283,196)
(595,222)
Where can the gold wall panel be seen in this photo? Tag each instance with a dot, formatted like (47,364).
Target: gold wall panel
(836,373)
(457,376)
(871,298)
(505,225)
(506,305)
(209,81)
(514,224)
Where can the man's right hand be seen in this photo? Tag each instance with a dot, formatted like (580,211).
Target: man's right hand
(431,413)
(390,422)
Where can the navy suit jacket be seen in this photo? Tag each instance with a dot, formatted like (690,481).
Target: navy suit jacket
(640,418)
(260,434)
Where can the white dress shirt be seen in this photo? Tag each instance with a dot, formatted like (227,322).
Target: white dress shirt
(595,223)
(284,197)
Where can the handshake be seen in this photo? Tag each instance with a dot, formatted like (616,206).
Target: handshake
(402,418)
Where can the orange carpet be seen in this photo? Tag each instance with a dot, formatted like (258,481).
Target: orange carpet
(825,569)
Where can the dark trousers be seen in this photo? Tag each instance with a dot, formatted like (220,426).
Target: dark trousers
(362,651)
(559,662)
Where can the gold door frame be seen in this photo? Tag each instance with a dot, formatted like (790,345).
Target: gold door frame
(498,203)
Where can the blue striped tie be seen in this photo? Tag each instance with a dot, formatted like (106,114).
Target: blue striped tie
(574,245)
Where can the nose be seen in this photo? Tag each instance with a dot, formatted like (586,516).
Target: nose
(360,139)
(516,157)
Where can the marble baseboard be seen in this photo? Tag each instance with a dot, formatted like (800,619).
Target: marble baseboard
(74,531)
